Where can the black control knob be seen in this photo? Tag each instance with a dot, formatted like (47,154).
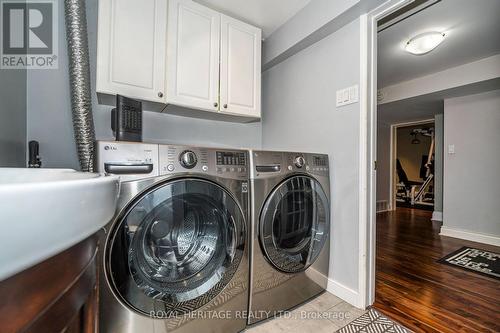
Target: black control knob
(188,159)
(299,161)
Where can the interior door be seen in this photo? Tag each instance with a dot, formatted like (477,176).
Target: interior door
(131,48)
(193,55)
(176,248)
(240,67)
(294,224)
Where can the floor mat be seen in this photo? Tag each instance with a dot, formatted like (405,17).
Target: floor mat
(475,260)
(373,321)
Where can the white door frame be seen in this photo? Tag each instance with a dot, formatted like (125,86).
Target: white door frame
(394,149)
(368,147)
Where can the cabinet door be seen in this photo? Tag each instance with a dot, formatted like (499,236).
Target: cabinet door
(131,48)
(193,55)
(240,68)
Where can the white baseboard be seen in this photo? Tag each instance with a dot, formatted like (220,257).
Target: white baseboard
(437,216)
(316,276)
(335,288)
(471,236)
(346,293)
(382,206)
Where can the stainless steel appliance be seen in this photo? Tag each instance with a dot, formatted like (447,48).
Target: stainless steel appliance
(175,257)
(290,230)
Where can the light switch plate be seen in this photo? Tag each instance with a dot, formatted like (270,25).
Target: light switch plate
(347,96)
(451,149)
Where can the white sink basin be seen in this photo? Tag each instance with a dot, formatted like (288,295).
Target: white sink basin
(45,211)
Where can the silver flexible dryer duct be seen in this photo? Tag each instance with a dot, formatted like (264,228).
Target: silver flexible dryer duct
(79,77)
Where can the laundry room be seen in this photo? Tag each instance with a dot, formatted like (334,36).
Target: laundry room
(197,165)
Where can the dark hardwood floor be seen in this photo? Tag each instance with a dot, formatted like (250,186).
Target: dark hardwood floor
(426,296)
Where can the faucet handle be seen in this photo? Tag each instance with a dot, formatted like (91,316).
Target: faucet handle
(34,158)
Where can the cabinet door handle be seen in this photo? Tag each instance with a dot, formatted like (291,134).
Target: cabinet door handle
(160,94)
(225,106)
(216,104)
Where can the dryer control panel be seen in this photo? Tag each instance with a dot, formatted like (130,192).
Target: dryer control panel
(211,161)
(269,163)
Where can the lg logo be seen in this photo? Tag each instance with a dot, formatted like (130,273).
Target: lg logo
(29,34)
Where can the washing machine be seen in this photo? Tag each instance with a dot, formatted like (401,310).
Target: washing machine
(175,258)
(290,230)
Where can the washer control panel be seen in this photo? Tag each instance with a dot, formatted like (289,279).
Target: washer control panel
(178,159)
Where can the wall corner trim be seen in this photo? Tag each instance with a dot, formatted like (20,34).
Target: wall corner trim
(470,236)
(437,216)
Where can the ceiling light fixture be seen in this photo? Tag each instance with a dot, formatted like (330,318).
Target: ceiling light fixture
(424,43)
(415,140)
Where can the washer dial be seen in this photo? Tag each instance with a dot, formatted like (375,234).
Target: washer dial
(188,159)
(299,161)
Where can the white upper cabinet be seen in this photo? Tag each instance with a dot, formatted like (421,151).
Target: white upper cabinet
(240,67)
(181,53)
(193,55)
(131,48)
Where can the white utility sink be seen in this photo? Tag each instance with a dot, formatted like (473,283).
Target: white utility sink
(46,211)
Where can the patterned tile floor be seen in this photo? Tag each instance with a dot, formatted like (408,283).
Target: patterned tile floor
(326,314)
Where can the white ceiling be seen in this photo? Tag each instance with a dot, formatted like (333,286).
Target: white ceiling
(265,14)
(472,28)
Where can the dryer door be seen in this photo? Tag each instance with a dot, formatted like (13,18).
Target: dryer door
(294,224)
(176,247)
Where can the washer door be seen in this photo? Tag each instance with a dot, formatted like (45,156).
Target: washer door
(294,224)
(176,248)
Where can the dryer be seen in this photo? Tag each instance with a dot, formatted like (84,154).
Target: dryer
(290,230)
(175,257)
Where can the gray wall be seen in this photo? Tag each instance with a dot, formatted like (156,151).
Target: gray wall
(383,162)
(300,114)
(471,180)
(49,112)
(314,16)
(12,118)
(438,162)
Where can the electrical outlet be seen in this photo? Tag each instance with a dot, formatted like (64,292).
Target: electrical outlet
(347,96)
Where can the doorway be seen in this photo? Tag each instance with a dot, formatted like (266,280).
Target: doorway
(408,283)
(413,165)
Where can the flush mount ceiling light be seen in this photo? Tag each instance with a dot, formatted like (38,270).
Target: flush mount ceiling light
(424,43)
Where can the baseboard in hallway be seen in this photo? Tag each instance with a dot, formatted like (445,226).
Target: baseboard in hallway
(470,236)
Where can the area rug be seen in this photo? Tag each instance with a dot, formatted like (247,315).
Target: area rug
(373,321)
(475,260)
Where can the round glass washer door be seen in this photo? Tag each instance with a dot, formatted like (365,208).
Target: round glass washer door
(294,224)
(176,247)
